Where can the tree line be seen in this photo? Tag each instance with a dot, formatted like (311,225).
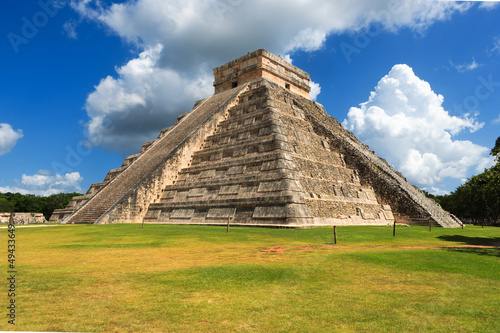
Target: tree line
(478,199)
(29,203)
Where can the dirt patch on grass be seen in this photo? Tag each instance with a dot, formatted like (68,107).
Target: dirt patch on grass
(305,248)
(275,249)
(279,249)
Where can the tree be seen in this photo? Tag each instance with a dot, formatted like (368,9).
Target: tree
(57,201)
(5,206)
(479,197)
(29,203)
(496,150)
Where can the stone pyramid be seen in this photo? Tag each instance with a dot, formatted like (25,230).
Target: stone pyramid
(257,153)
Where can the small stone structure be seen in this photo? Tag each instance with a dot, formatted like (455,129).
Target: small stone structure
(22,218)
(4,217)
(261,64)
(256,153)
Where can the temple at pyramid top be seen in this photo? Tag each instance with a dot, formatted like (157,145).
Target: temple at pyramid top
(261,64)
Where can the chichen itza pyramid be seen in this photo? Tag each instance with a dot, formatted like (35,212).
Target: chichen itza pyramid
(258,152)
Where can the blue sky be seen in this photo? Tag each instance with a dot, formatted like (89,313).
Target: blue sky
(85,83)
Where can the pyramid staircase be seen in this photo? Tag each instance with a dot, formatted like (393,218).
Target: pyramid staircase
(59,215)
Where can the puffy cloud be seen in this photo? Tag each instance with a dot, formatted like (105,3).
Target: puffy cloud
(315,90)
(8,138)
(128,110)
(484,163)
(288,58)
(405,122)
(308,40)
(44,183)
(436,191)
(199,35)
(196,29)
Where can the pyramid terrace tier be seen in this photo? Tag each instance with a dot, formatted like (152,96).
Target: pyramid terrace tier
(273,211)
(250,187)
(238,165)
(273,167)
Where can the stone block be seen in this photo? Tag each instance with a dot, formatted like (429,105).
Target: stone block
(152,214)
(207,174)
(169,194)
(229,190)
(221,213)
(235,170)
(182,214)
(269,212)
(197,192)
(241,151)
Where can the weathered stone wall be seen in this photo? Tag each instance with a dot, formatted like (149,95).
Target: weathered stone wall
(22,218)
(332,190)
(237,174)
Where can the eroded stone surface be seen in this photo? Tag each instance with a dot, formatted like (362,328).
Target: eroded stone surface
(22,218)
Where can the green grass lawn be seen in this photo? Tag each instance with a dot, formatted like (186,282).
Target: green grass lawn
(164,278)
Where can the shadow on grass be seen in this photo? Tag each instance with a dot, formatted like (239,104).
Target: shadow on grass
(486,241)
(475,241)
(492,252)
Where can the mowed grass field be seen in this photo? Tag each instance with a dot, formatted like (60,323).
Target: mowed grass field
(166,278)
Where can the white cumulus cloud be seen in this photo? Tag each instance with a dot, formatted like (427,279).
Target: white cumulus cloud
(181,41)
(308,40)
(128,110)
(8,138)
(43,183)
(315,90)
(404,121)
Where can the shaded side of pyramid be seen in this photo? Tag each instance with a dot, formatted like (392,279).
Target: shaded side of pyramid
(408,203)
